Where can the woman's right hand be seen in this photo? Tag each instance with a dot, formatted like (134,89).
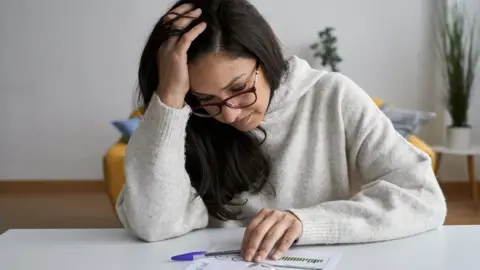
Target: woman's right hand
(173,75)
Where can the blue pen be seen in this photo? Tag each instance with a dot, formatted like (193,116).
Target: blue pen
(200,254)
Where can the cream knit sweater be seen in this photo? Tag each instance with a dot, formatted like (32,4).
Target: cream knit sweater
(338,164)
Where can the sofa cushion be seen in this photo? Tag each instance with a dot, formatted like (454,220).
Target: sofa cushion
(127,126)
(407,122)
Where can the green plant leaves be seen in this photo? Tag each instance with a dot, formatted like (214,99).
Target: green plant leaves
(460,53)
(326,49)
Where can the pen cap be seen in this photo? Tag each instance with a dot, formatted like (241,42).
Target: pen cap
(188,256)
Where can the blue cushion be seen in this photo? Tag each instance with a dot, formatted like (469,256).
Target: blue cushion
(407,122)
(127,127)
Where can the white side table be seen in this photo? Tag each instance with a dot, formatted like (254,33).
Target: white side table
(470,154)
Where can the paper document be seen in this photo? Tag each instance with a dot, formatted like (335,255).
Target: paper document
(292,259)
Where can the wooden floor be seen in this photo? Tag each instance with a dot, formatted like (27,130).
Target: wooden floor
(71,210)
(93,210)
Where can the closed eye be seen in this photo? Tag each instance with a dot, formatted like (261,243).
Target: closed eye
(205,98)
(238,88)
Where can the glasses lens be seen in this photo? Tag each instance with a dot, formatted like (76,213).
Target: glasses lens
(243,100)
(207,111)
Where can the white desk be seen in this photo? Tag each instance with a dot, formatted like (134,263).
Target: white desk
(451,247)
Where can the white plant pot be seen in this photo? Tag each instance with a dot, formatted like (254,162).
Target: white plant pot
(458,137)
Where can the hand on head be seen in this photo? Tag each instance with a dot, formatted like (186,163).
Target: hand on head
(172,55)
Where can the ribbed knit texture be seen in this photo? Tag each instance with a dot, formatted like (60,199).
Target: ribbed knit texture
(337,164)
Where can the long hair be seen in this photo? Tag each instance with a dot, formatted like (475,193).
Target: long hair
(221,161)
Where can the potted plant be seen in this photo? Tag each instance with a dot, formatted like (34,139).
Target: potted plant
(459,53)
(326,49)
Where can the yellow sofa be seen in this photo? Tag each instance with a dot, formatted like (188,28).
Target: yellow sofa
(114,173)
(415,140)
(113,168)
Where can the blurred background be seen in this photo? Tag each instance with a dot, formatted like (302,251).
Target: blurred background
(68,69)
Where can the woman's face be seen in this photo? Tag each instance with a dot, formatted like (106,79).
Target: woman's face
(217,76)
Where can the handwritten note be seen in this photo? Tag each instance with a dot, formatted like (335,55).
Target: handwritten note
(212,264)
(297,258)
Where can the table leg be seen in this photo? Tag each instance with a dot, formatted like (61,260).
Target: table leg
(437,165)
(472,177)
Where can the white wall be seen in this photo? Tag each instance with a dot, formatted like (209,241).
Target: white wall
(67,68)
(455,167)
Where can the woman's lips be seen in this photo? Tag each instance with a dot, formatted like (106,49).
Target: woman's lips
(243,120)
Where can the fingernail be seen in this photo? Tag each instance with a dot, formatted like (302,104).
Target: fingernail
(249,256)
(258,258)
(276,255)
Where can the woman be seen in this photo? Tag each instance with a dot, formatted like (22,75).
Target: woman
(234,134)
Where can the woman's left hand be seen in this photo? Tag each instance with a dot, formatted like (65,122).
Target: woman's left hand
(268,230)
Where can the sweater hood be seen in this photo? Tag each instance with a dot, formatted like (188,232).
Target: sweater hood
(300,79)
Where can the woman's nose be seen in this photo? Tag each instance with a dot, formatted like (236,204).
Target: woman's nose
(229,115)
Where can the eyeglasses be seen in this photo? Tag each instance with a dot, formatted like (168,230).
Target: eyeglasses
(241,100)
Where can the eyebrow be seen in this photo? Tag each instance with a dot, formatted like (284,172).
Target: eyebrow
(234,80)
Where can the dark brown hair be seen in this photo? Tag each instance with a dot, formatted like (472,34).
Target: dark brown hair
(221,161)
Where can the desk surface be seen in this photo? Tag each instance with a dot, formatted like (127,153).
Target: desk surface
(451,247)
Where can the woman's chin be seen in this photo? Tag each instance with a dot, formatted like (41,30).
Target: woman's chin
(243,128)
(248,125)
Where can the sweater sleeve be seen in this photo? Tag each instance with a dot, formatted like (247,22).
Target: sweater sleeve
(157,201)
(399,196)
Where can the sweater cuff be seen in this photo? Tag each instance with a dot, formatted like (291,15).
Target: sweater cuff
(164,122)
(318,228)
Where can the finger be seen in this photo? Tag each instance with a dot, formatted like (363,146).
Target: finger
(176,33)
(169,18)
(178,11)
(183,21)
(258,234)
(172,41)
(271,238)
(252,226)
(187,38)
(286,241)
(175,30)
